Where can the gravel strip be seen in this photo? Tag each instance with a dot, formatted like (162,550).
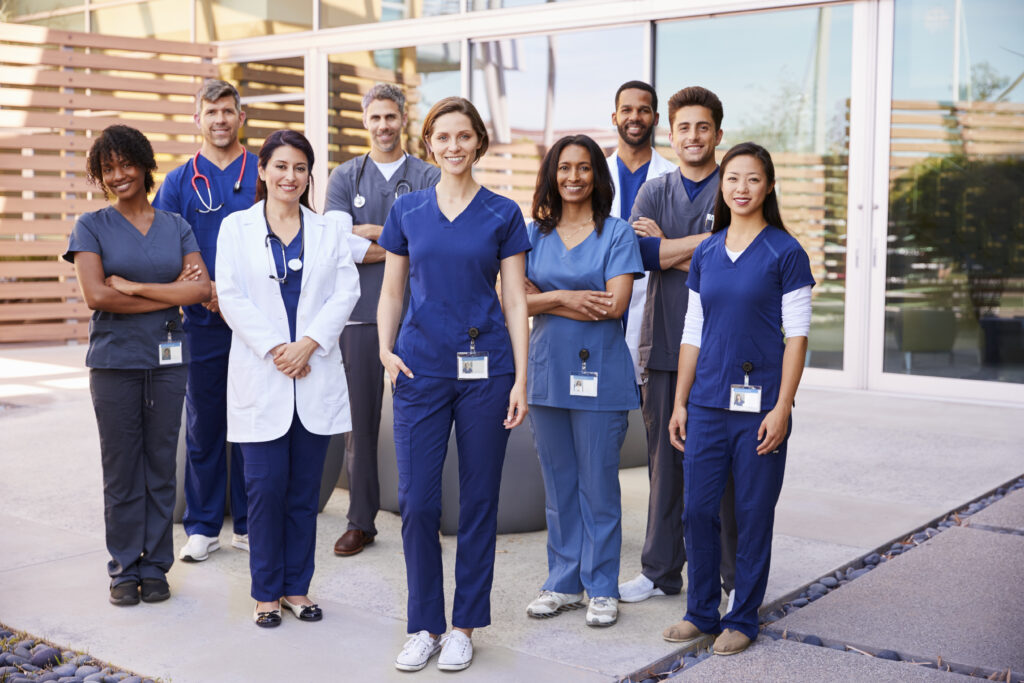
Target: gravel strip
(25,659)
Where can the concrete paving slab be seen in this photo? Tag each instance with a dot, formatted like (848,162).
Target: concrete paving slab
(27,543)
(1006,514)
(957,596)
(784,660)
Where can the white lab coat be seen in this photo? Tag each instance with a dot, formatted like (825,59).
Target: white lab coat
(261,399)
(659,166)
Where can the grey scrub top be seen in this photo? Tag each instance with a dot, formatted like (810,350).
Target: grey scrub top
(131,341)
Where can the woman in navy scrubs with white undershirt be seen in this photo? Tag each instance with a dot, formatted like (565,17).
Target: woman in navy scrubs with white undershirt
(737,380)
(461,356)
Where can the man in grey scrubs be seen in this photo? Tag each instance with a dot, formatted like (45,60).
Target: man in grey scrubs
(679,209)
(362,191)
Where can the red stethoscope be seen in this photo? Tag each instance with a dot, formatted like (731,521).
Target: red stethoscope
(207,203)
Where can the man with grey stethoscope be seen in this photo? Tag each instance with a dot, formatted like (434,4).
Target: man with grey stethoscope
(362,190)
(217,181)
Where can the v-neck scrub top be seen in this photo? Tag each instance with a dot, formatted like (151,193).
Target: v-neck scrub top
(742,304)
(453,267)
(130,341)
(556,341)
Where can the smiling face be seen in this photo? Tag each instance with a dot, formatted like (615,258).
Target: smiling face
(694,137)
(123,178)
(219,121)
(454,143)
(634,117)
(384,122)
(575,175)
(286,174)
(745,186)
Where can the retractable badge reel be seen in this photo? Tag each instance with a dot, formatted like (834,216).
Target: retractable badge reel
(472,365)
(583,383)
(169,352)
(745,398)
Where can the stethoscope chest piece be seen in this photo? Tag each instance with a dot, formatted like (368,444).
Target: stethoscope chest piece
(359,201)
(295,264)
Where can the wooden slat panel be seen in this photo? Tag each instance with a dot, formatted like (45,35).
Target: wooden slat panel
(496,163)
(40,35)
(45,183)
(50,141)
(251,80)
(21,75)
(39,290)
(1009,107)
(21,248)
(943,120)
(14,118)
(924,134)
(15,97)
(937,147)
(14,54)
(45,332)
(36,269)
(47,205)
(993,135)
(41,162)
(13,226)
(44,311)
(991,121)
(994,149)
(262,113)
(926,105)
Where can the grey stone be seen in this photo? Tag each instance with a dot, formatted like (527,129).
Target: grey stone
(46,656)
(1007,514)
(830,582)
(132,679)
(86,670)
(817,589)
(66,669)
(48,676)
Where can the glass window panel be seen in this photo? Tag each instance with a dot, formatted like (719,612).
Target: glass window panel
(65,22)
(351,12)
(272,94)
(163,19)
(955,261)
(501,4)
(14,9)
(794,100)
(236,19)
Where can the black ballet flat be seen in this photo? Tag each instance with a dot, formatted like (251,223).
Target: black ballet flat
(304,612)
(269,619)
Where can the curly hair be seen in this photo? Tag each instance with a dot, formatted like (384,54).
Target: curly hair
(124,143)
(547,202)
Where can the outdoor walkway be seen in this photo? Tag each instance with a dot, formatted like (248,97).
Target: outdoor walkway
(863,470)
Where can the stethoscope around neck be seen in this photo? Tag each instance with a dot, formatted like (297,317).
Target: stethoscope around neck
(207,203)
(272,239)
(402,187)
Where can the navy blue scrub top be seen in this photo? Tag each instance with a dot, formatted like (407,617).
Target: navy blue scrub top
(292,286)
(130,341)
(555,342)
(453,267)
(742,304)
(177,196)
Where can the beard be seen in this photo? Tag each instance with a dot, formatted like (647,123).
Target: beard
(634,141)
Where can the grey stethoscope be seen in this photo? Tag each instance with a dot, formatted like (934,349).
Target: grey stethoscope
(269,243)
(403,186)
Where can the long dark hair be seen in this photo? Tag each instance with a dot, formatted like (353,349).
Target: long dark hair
(280,138)
(723,216)
(547,202)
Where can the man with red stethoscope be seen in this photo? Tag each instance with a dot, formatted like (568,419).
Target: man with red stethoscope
(219,180)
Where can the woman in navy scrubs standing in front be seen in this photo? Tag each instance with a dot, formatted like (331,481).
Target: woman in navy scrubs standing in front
(458,358)
(734,394)
(136,265)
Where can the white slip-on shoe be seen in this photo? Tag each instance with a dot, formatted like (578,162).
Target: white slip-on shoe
(240,541)
(550,604)
(638,589)
(456,652)
(417,652)
(603,611)
(198,548)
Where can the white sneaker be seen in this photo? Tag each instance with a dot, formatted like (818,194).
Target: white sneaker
(417,651)
(198,548)
(551,604)
(638,589)
(603,611)
(240,541)
(456,652)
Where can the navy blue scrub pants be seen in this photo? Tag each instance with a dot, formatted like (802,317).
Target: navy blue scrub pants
(206,414)
(425,408)
(138,413)
(720,442)
(579,458)
(282,479)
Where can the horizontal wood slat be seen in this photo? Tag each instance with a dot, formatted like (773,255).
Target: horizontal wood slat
(44,311)
(48,205)
(13,226)
(15,54)
(36,269)
(40,35)
(39,290)
(20,75)
(14,118)
(20,332)
(14,97)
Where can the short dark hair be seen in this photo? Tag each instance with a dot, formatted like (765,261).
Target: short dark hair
(280,138)
(638,85)
(772,216)
(695,96)
(123,142)
(458,105)
(547,202)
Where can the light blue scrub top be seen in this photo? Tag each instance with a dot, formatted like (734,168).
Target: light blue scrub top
(453,268)
(742,304)
(555,342)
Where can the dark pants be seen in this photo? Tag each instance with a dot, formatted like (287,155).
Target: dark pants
(282,479)
(206,437)
(664,553)
(365,376)
(720,443)
(425,408)
(138,413)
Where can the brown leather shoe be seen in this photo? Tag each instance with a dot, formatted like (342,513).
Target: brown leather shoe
(352,542)
(684,632)
(731,642)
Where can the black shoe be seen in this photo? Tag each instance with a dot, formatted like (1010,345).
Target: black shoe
(304,612)
(266,619)
(155,590)
(125,593)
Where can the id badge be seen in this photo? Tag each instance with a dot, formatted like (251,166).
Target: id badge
(170,353)
(745,398)
(583,384)
(472,365)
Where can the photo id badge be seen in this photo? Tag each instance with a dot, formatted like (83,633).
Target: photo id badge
(745,398)
(170,353)
(472,365)
(583,384)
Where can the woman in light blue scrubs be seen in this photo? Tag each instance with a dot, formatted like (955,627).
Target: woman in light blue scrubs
(136,265)
(461,357)
(734,395)
(581,385)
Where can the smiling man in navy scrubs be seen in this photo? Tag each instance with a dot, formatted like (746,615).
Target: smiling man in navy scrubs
(219,180)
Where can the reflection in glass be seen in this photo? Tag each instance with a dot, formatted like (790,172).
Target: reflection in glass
(955,262)
(272,94)
(64,22)
(233,20)
(794,100)
(335,13)
(163,19)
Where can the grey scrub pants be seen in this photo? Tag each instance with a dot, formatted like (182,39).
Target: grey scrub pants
(664,554)
(138,413)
